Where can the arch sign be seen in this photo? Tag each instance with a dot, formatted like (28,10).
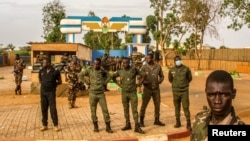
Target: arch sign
(76,24)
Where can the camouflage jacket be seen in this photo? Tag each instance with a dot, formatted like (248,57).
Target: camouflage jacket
(180,77)
(202,120)
(127,78)
(72,71)
(19,65)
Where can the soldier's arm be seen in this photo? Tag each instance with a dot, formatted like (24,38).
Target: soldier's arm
(108,76)
(161,76)
(189,75)
(114,76)
(66,73)
(84,72)
(170,76)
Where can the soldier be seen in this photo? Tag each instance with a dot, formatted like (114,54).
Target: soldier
(137,58)
(106,64)
(153,76)
(71,76)
(128,84)
(19,65)
(99,77)
(40,57)
(180,76)
(220,93)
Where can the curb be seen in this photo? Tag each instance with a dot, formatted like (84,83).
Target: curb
(158,137)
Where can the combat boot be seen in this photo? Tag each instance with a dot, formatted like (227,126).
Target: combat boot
(138,129)
(74,104)
(158,122)
(127,126)
(189,125)
(142,121)
(96,128)
(19,90)
(56,129)
(178,123)
(69,104)
(108,128)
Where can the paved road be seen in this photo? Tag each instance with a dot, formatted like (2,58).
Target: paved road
(20,115)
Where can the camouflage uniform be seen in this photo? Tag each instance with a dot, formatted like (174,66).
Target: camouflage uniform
(153,76)
(202,120)
(128,85)
(19,65)
(137,59)
(180,77)
(96,83)
(71,74)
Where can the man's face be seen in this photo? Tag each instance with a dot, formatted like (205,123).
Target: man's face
(219,97)
(17,57)
(74,60)
(149,59)
(45,63)
(125,63)
(97,65)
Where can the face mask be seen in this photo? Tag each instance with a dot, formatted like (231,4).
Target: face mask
(178,62)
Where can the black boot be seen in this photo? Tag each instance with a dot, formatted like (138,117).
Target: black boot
(127,126)
(178,123)
(158,122)
(96,128)
(189,125)
(108,128)
(20,90)
(142,121)
(138,129)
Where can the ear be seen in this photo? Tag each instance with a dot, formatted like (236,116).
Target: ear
(234,93)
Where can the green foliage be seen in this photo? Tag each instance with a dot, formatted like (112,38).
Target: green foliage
(234,73)
(238,11)
(22,52)
(99,40)
(190,41)
(53,12)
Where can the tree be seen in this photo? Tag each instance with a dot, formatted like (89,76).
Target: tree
(238,11)
(53,12)
(201,15)
(10,47)
(166,24)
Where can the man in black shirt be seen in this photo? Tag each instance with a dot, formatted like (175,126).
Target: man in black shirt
(49,78)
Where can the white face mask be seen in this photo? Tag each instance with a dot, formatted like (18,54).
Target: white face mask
(178,62)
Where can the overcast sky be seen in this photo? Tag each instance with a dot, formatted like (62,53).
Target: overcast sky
(21,20)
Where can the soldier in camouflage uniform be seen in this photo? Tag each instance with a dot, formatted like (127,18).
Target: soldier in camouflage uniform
(71,75)
(152,76)
(220,93)
(106,65)
(99,77)
(180,76)
(137,58)
(128,84)
(19,65)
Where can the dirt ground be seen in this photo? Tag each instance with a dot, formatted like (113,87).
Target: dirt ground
(197,96)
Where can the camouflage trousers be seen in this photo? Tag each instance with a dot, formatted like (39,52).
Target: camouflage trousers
(94,99)
(130,98)
(72,91)
(181,98)
(18,81)
(18,78)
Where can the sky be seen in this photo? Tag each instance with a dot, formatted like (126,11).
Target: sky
(21,20)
